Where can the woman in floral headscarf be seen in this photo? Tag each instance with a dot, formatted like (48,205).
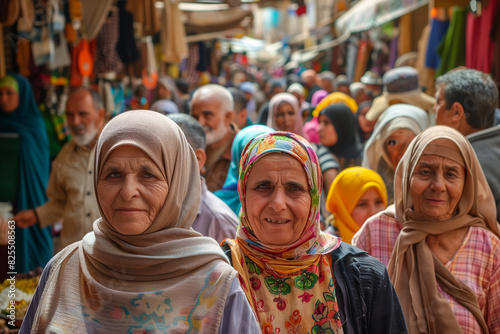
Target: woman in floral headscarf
(295,277)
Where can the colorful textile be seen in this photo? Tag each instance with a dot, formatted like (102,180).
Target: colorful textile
(290,287)
(413,268)
(378,237)
(436,35)
(33,244)
(478,42)
(346,190)
(168,278)
(229,192)
(336,97)
(452,49)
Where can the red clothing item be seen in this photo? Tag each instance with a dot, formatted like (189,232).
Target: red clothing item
(478,43)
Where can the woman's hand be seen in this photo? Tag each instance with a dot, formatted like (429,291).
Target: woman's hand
(25,218)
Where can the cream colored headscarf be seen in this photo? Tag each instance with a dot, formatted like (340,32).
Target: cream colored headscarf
(413,269)
(167,279)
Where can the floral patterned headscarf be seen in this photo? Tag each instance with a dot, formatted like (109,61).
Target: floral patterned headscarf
(312,241)
(291,287)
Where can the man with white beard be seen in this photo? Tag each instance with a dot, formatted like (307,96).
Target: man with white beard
(70,189)
(212,105)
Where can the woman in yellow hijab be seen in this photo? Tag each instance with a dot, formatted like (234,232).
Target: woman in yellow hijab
(356,194)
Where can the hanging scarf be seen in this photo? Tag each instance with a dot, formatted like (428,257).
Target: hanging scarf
(229,191)
(168,278)
(346,190)
(413,269)
(290,287)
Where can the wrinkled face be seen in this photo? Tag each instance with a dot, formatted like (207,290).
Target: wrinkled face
(368,205)
(285,117)
(9,99)
(277,199)
(327,133)
(397,143)
(436,186)
(365,125)
(440,109)
(84,121)
(209,112)
(131,190)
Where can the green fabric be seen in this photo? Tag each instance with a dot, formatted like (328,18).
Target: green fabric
(452,47)
(9,81)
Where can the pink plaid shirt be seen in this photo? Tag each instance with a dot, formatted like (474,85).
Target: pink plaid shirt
(477,263)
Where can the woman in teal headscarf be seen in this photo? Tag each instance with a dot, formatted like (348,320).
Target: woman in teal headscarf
(19,115)
(229,192)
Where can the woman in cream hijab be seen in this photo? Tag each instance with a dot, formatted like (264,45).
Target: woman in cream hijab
(396,128)
(445,262)
(142,269)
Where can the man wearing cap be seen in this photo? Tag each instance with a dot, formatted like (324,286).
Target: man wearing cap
(466,101)
(373,82)
(212,105)
(401,86)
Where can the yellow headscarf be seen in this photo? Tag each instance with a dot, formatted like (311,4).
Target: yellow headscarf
(345,192)
(336,97)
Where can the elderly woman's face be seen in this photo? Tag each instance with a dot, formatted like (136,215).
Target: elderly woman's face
(397,143)
(436,186)
(277,199)
(131,190)
(285,117)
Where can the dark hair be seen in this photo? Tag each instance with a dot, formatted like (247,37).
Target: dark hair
(96,98)
(475,91)
(182,85)
(192,129)
(240,102)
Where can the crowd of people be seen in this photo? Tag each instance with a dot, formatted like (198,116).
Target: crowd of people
(298,204)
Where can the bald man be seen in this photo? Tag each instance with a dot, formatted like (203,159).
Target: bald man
(310,80)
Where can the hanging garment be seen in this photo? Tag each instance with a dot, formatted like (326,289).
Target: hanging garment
(126,46)
(437,35)
(107,59)
(478,43)
(452,48)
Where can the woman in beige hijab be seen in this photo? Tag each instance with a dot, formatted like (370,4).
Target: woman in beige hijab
(445,262)
(142,269)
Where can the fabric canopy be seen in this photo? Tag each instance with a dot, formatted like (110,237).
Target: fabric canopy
(367,14)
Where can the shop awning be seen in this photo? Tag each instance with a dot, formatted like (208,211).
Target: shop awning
(368,14)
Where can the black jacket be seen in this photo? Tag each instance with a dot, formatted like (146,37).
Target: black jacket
(367,300)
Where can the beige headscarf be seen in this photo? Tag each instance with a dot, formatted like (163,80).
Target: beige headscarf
(413,269)
(169,278)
